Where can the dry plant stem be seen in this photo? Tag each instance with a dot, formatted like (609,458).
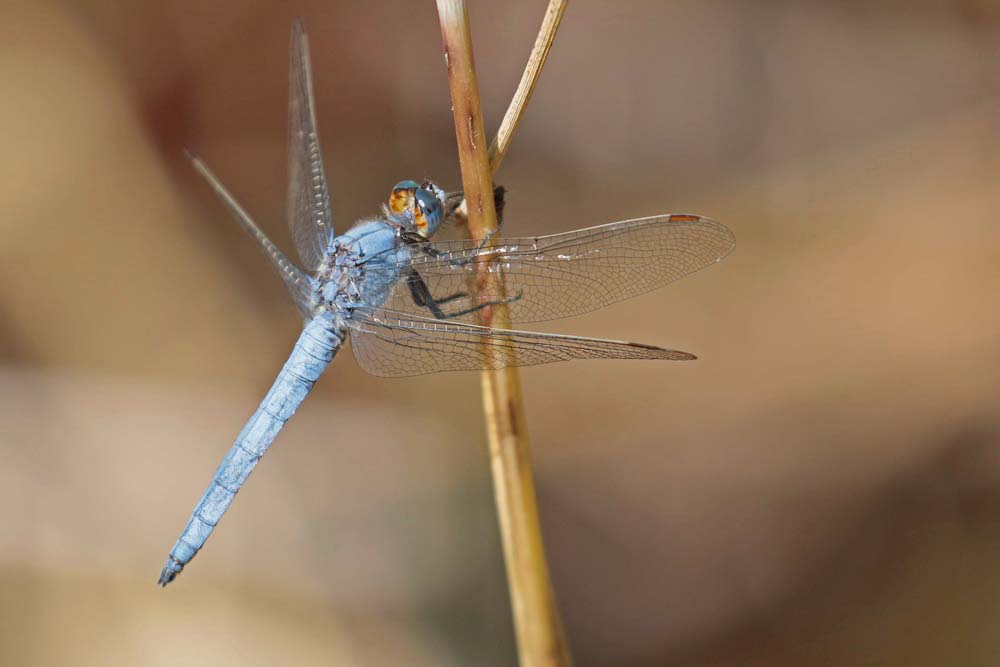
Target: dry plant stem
(539,53)
(539,633)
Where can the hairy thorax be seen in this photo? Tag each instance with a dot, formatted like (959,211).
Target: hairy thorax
(360,269)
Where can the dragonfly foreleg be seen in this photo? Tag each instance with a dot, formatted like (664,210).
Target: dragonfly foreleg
(499,202)
(456,199)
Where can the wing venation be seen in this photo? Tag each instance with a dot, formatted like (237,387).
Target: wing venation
(392,344)
(563,275)
(309,217)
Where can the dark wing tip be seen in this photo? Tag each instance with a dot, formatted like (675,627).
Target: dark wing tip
(686,217)
(656,352)
(724,233)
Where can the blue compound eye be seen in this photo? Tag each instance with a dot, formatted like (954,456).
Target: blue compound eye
(434,190)
(429,212)
(405,185)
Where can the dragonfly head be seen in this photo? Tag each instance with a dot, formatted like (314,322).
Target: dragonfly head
(426,203)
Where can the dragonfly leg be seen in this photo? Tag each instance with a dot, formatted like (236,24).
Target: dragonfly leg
(451,297)
(422,296)
(455,200)
(485,304)
(499,202)
(419,242)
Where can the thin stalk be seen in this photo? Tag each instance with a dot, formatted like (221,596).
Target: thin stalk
(539,53)
(540,639)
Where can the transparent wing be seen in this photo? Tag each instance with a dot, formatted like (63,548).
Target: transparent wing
(550,277)
(393,344)
(308,195)
(299,284)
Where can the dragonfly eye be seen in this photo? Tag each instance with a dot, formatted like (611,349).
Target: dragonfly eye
(434,190)
(428,212)
(401,197)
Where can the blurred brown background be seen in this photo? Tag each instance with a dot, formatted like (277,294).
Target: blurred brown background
(821,488)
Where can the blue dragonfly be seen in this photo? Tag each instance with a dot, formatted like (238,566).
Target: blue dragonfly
(405,302)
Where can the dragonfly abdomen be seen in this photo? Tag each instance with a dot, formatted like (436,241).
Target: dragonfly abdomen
(313,352)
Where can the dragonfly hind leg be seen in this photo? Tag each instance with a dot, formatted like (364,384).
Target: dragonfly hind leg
(422,296)
(485,304)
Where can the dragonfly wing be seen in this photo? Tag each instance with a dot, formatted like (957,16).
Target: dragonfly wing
(392,344)
(298,283)
(308,195)
(562,275)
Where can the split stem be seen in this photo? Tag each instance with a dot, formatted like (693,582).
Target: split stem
(540,639)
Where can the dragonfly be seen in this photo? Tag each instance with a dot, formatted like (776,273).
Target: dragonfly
(405,301)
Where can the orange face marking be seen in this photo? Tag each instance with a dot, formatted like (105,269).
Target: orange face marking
(400,200)
(420,220)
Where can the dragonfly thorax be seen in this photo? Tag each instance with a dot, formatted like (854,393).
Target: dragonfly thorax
(361,266)
(337,282)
